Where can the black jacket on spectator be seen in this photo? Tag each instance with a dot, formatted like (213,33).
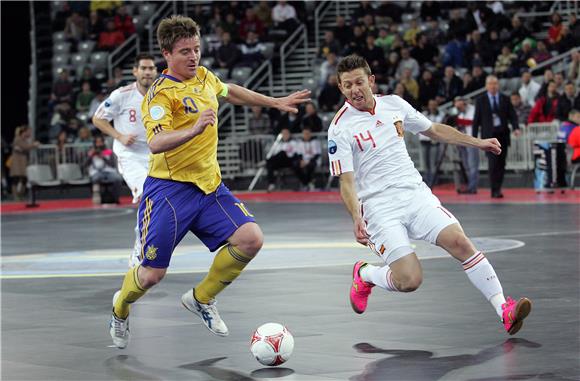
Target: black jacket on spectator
(313,122)
(230,54)
(450,90)
(565,105)
(518,35)
(424,54)
(329,98)
(392,10)
(430,10)
(427,91)
(342,34)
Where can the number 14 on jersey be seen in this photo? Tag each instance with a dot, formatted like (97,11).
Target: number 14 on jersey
(361,138)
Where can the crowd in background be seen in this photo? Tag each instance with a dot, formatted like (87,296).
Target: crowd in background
(441,55)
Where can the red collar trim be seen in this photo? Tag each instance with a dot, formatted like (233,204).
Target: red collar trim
(372,112)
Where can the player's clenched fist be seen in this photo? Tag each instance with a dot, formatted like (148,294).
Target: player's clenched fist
(207,118)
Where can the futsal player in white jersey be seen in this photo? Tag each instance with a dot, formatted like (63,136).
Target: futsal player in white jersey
(123,108)
(388,201)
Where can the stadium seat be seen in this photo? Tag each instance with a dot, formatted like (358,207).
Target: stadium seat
(326,118)
(207,62)
(41,175)
(60,59)
(139,23)
(309,83)
(269,51)
(58,37)
(61,47)
(79,59)
(146,10)
(57,69)
(86,46)
(70,173)
(100,60)
(241,74)
(222,74)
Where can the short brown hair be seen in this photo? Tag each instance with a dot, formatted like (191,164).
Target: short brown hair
(175,28)
(142,56)
(350,63)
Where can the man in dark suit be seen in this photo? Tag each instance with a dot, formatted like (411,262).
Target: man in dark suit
(493,112)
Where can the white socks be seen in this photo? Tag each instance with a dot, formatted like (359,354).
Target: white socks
(380,276)
(483,277)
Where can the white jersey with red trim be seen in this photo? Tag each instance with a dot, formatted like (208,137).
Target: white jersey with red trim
(123,108)
(371,143)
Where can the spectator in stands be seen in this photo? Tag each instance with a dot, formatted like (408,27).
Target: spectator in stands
(390,11)
(407,62)
(329,45)
(101,168)
(62,89)
(428,88)
(357,42)
(105,8)
(285,155)
(63,11)
(574,137)
(264,13)
(555,31)
(383,40)
(251,23)
(328,68)
(450,86)
(392,66)
(574,26)
(457,28)
(493,112)
(518,31)
(504,62)
(402,92)
(560,82)
(478,50)
(84,135)
(230,25)
(410,84)
(311,120)
(236,8)
(124,21)
(111,38)
(118,78)
(454,52)
(72,128)
(431,149)
(478,76)
(424,52)
(97,100)
(87,76)
(410,35)
(430,10)
(84,98)
(521,108)
(284,16)
(21,147)
(525,56)
(469,84)
(228,54)
(541,54)
(544,110)
(62,140)
(63,112)
(342,32)
(375,57)
(259,123)
(477,17)
(95,26)
(529,89)
(309,151)
(369,25)
(76,28)
(567,101)
(364,8)
(469,155)
(567,41)
(252,51)
(330,96)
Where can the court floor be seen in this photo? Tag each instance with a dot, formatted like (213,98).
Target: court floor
(61,268)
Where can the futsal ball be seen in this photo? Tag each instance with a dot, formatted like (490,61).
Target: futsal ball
(272,344)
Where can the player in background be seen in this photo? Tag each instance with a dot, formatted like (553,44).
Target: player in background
(123,108)
(184,191)
(388,201)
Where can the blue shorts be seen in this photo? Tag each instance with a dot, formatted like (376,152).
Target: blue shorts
(169,209)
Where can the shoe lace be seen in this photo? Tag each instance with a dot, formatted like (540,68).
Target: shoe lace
(119,326)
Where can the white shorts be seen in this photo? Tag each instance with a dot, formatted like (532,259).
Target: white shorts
(393,219)
(134,169)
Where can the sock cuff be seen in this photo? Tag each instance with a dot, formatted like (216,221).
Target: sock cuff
(473,260)
(237,254)
(390,281)
(135,270)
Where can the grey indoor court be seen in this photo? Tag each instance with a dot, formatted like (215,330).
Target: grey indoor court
(60,270)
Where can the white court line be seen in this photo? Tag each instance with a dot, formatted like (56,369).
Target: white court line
(110,213)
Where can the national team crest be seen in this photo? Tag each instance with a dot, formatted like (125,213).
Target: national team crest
(398,122)
(151,253)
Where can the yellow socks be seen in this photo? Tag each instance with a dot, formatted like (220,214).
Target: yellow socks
(227,265)
(131,291)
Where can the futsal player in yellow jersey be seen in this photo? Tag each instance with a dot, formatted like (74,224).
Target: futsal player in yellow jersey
(183,191)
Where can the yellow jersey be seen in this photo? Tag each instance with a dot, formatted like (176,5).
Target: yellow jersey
(171,104)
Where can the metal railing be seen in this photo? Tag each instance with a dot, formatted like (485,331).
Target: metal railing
(33,76)
(559,58)
(164,10)
(289,46)
(256,80)
(52,155)
(117,56)
(321,10)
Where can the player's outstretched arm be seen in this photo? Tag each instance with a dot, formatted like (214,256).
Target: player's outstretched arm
(241,96)
(447,134)
(350,199)
(168,140)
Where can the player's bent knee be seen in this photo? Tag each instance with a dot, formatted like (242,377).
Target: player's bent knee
(248,238)
(410,284)
(149,276)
